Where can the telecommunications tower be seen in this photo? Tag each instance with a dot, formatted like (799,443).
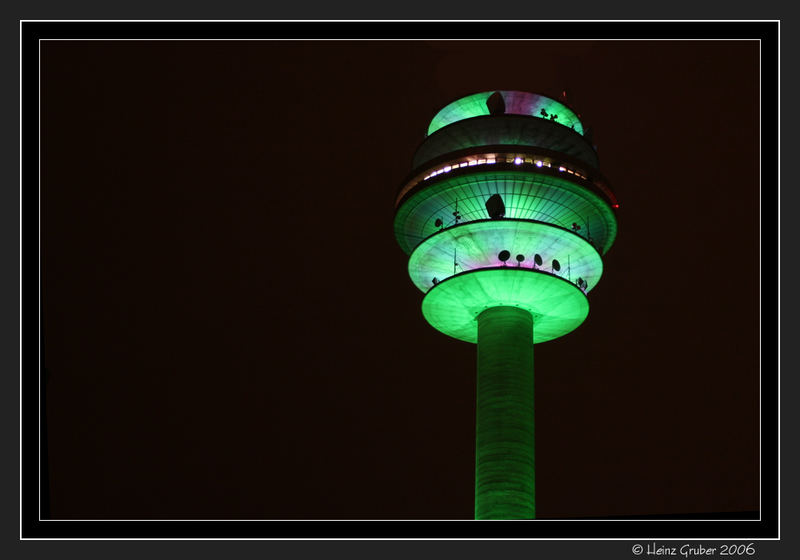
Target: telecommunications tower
(505,218)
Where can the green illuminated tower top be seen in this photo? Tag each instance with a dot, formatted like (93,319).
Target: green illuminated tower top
(505,218)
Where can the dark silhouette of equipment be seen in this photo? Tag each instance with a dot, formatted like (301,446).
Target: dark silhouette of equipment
(495,206)
(504,255)
(456,213)
(496,104)
(520,258)
(438,223)
(537,258)
(556,265)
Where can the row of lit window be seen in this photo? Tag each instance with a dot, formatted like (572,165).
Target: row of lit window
(517,160)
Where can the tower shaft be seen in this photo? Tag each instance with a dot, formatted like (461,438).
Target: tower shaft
(504,458)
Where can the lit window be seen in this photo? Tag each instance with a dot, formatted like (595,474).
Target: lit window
(447,169)
(528,160)
(538,163)
(463,164)
(473,162)
(562,168)
(481,161)
(490,160)
(518,160)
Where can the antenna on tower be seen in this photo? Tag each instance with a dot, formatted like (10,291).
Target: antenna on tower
(456,214)
(454,261)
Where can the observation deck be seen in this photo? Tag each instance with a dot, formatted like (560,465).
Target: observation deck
(505,201)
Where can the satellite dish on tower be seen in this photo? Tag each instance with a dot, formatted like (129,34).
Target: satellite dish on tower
(556,265)
(537,259)
(438,223)
(504,255)
(496,104)
(495,206)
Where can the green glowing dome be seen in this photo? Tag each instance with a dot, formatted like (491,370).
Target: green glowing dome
(516,103)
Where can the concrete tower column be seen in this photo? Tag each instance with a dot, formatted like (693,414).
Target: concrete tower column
(504,458)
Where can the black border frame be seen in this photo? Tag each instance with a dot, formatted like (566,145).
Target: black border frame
(31,32)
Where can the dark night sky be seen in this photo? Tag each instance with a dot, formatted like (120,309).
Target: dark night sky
(231,331)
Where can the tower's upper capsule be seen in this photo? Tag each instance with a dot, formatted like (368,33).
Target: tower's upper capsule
(516,103)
